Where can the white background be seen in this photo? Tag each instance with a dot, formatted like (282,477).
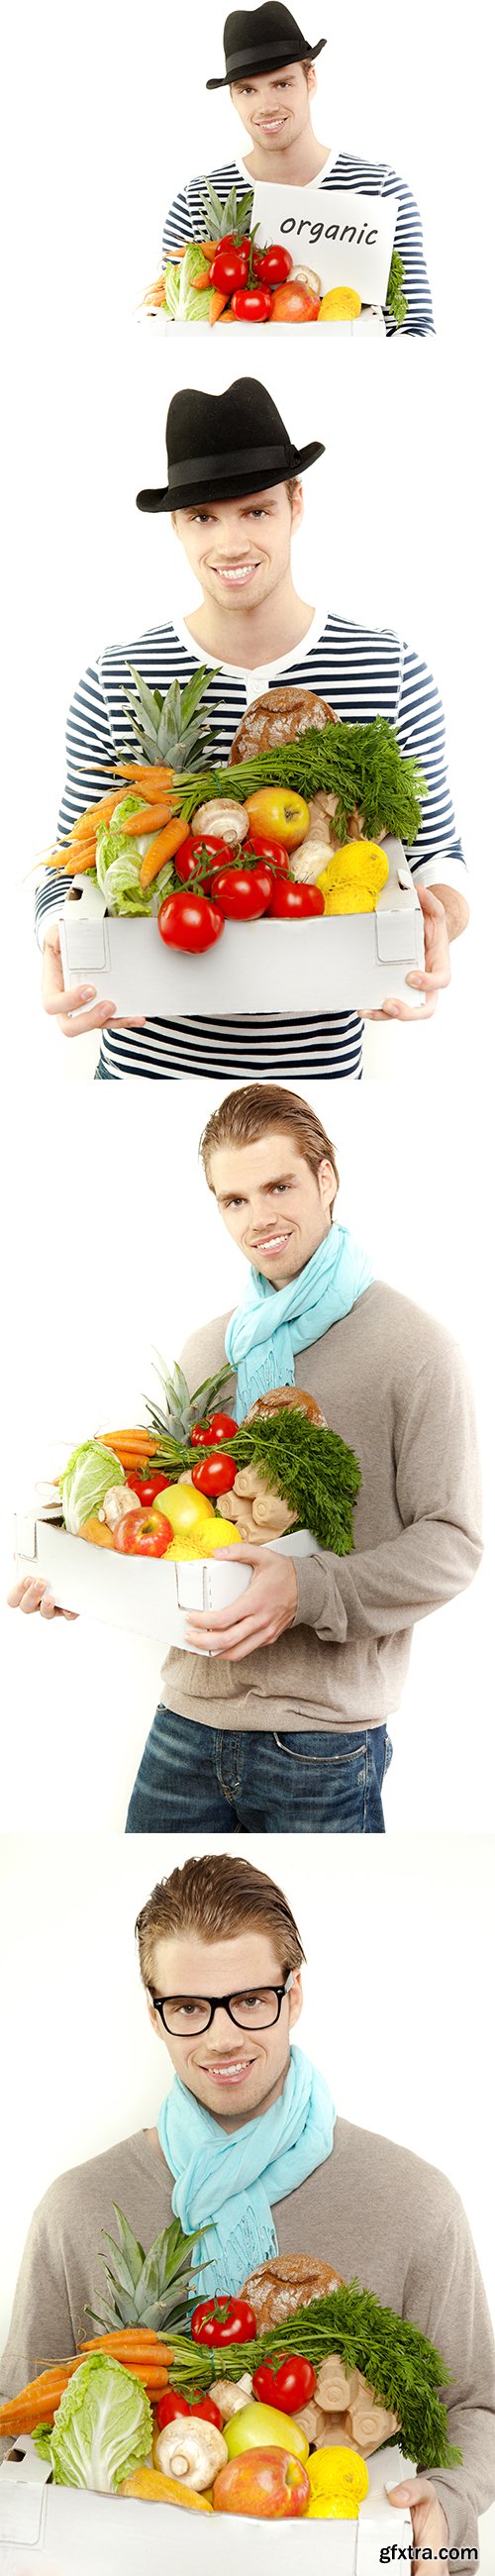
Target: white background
(118,1254)
(397,1941)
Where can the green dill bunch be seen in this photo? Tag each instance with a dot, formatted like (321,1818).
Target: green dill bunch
(395,298)
(310,1467)
(360,764)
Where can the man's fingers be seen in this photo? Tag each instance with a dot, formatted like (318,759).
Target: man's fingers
(33,1593)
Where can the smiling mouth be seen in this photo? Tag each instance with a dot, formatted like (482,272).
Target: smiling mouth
(272,1243)
(233,2072)
(270,124)
(236,576)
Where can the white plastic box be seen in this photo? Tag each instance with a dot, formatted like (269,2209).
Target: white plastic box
(135,1592)
(78,2534)
(353,961)
(367,325)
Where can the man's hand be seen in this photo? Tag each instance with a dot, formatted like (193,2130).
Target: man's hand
(69,1006)
(429,2522)
(437,971)
(33,1593)
(261,1614)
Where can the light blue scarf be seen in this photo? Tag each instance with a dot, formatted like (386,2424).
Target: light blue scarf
(273,1324)
(232,2177)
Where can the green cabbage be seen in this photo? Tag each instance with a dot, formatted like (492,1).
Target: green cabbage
(181,297)
(118,862)
(102,2430)
(89,1473)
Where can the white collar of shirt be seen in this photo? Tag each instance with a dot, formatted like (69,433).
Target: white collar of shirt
(255,682)
(328,165)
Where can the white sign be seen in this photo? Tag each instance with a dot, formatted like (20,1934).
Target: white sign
(347,238)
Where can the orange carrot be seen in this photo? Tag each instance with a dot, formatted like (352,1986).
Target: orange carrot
(151,819)
(130,2339)
(164,848)
(144,773)
(94,814)
(209,249)
(217,306)
(83,858)
(126,1440)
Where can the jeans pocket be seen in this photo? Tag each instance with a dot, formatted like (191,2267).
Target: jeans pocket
(323,1750)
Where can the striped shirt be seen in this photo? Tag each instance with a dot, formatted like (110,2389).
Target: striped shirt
(363,672)
(186,222)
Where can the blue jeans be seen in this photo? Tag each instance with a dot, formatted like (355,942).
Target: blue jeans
(201,1779)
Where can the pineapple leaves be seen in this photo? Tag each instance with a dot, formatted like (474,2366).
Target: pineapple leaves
(130,2252)
(168,728)
(232,217)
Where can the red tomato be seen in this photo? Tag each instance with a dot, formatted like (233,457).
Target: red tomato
(169,2406)
(291,902)
(242,893)
(272,265)
(264,849)
(295,304)
(142,1534)
(194,850)
(252,304)
(229,242)
(223,2321)
(228,270)
(147,1486)
(190,922)
(199,1436)
(214,1475)
(289,2387)
(220,1427)
(211,2413)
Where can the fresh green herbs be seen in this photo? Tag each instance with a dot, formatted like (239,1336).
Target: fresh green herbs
(360,764)
(396,299)
(396,2358)
(307,1464)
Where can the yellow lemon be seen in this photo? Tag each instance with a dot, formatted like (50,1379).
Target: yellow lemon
(183,1507)
(332,2509)
(219,1534)
(357,863)
(350,898)
(335,2470)
(342,304)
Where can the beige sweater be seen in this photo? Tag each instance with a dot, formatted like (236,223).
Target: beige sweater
(394,1385)
(373,2210)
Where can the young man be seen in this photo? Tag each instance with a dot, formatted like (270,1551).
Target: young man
(220,1959)
(269,71)
(284,1727)
(235,497)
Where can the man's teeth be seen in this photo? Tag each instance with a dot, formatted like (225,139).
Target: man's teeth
(235,574)
(236,2067)
(272,1243)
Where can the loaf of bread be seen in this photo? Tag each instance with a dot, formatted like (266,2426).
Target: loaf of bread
(278,2288)
(278,717)
(289,1395)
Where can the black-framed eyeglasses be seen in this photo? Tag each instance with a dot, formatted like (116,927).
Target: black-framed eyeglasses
(258,2008)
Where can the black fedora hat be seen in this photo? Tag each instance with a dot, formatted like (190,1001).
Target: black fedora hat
(220,446)
(261,40)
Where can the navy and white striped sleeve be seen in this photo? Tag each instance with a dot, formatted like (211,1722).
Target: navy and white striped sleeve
(90,753)
(408,240)
(179,226)
(437,856)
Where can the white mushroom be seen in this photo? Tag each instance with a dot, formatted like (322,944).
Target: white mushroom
(224,816)
(231,2394)
(191,2452)
(119,1499)
(305,277)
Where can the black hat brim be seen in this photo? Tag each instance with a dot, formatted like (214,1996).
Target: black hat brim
(229,486)
(255,73)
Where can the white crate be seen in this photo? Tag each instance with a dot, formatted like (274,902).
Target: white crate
(145,1594)
(77,2534)
(367,325)
(356,960)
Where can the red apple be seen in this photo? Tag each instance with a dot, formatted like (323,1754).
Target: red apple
(269,2483)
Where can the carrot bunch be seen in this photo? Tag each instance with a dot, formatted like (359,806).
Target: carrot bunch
(157,814)
(133,1450)
(137,2348)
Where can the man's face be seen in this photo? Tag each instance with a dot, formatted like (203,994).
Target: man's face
(277,1210)
(240,550)
(234,2073)
(275,108)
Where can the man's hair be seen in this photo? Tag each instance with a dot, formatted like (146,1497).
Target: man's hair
(248,1114)
(217,1897)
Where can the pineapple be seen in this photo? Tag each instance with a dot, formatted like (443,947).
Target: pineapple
(234,217)
(145,2289)
(169,730)
(173,1427)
